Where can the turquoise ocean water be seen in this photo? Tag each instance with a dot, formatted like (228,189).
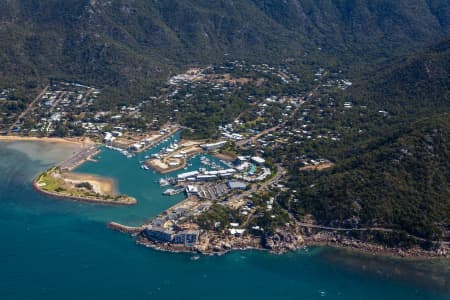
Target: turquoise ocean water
(52,249)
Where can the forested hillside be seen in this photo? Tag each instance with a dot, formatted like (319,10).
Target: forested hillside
(396,174)
(416,83)
(131,43)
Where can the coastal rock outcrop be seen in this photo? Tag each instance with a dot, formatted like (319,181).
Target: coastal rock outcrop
(282,241)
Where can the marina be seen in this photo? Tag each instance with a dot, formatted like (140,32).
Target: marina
(174,156)
(124,152)
(225,150)
(73,236)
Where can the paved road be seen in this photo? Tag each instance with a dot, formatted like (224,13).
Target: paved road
(363,229)
(78,158)
(30,107)
(57,101)
(344,229)
(254,138)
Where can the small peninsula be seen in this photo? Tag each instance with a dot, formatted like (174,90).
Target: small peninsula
(174,157)
(81,187)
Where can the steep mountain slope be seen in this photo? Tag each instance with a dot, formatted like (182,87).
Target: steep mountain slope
(114,40)
(123,42)
(419,82)
(363,27)
(398,181)
(396,176)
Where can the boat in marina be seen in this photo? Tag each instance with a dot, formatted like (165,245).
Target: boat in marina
(172,192)
(163,182)
(122,151)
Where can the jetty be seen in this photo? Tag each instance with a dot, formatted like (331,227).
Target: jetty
(159,138)
(124,229)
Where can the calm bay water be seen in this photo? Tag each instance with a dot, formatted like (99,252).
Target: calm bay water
(53,249)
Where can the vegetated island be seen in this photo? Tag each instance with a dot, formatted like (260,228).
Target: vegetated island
(81,187)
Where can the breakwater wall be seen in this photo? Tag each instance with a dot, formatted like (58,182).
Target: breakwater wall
(77,198)
(124,228)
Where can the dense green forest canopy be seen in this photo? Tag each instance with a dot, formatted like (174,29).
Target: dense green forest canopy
(130,44)
(396,174)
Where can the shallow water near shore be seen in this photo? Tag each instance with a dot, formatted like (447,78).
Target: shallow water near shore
(55,249)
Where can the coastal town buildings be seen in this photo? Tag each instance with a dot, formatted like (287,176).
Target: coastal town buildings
(186,238)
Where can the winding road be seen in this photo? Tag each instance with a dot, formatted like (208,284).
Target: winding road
(380,229)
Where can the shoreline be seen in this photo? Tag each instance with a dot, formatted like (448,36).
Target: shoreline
(211,242)
(103,187)
(367,248)
(316,240)
(163,171)
(88,156)
(155,163)
(159,139)
(358,247)
(37,188)
(73,141)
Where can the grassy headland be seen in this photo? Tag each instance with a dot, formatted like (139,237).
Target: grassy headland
(80,187)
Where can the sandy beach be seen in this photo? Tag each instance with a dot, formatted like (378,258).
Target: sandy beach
(75,141)
(101,185)
(64,186)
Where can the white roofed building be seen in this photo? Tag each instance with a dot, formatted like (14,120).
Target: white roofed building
(258,160)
